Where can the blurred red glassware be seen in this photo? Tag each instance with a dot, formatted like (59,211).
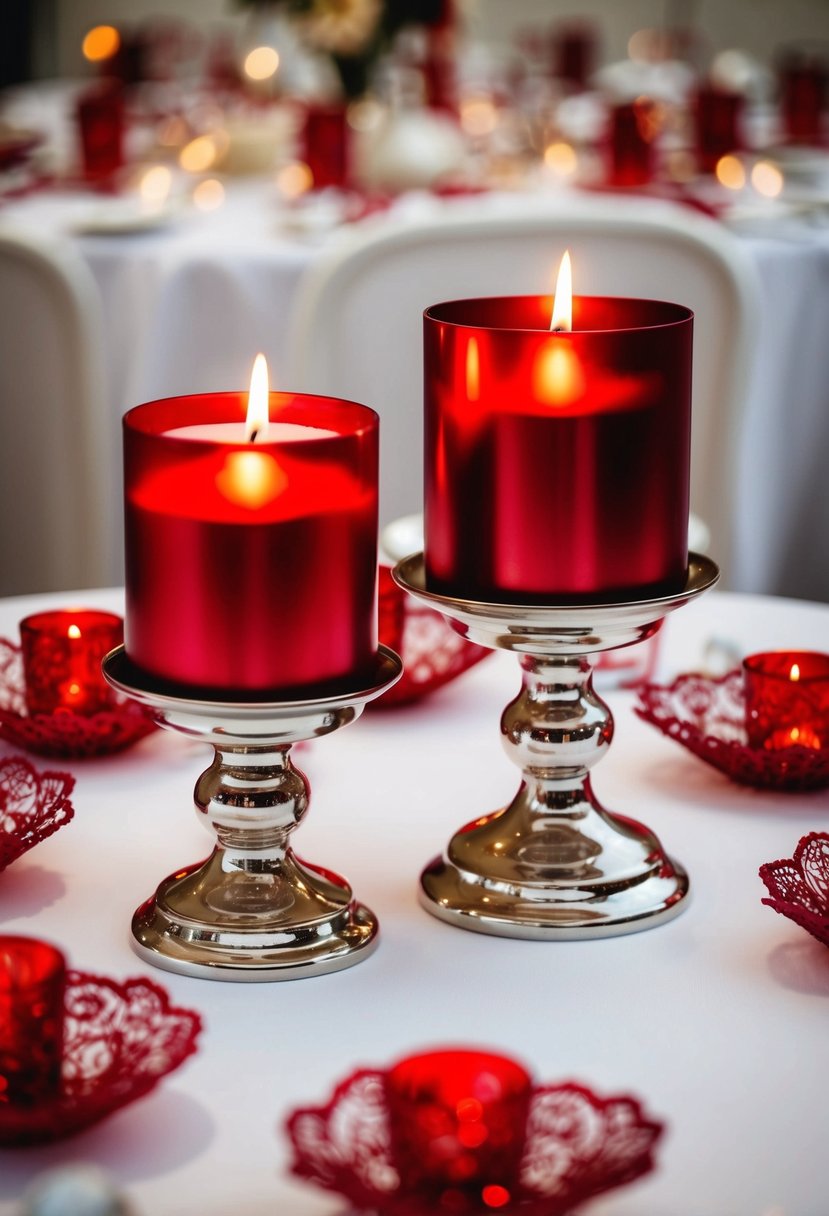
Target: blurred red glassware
(717,119)
(803,93)
(327,145)
(799,885)
(62,652)
(32,982)
(101,120)
(574,1144)
(457,1124)
(119,1041)
(631,152)
(787,699)
(33,805)
(574,54)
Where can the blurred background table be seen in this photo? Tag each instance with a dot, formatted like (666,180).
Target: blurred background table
(716,1020)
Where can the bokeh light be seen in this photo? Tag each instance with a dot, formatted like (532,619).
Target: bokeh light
(730,172)
(261,63)
(101,42)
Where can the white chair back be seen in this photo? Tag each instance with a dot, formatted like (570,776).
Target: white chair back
(357,325)
(56,475)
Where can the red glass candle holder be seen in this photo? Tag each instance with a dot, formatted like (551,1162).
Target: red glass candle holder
(717,121)
(631,152)
(251,568)
(62,652)
(457,1124)
(803,94)
(417,1139)
(101,120)
(574,47)
(327,145)
(557,464)
(32,982)
(787,699)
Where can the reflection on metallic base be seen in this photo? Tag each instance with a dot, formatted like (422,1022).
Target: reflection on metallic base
(252,910)
(555,864)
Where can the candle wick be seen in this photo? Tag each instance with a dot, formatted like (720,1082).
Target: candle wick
(560,329)
(254,434)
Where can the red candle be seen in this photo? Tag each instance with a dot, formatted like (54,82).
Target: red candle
(457,1121)
(62,654)
(251,565)
(633,127)
(787,699)
(32,982)
(717,119)
(557,463)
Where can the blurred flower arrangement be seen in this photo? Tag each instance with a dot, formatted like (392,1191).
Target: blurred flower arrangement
(355,33)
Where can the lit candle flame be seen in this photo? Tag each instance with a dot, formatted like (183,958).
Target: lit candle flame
(794,674)
(73,632)
(256,423)
(473,371)
(563,303)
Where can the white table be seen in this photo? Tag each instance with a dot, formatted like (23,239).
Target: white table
(187,306)
(716,1020)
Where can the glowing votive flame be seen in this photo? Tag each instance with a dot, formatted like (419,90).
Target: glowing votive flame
(73,632)
(794,674)
(562,318)
(256,422)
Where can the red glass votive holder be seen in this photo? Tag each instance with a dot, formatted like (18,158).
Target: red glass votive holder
(101,120)
(803,95)
(327,145)
(631,153)
(62,653)
(787,699)
(574,54)
(251,567)
(32,983)
(717,120)
(457,1122)
(557,464)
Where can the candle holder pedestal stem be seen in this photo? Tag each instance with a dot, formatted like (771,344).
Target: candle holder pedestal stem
(555,864)
(252,910)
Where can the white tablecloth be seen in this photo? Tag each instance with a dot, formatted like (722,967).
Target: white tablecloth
(716,1020)
(188,305)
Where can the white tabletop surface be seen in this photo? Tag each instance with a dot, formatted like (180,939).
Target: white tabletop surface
(717,1020)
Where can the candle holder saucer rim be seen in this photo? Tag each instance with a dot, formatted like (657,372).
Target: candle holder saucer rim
(126,676)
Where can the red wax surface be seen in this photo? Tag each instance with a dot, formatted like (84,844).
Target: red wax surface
(557,464)
(251,566)
(787,699)
(457,1121)
(32,981)
(62,653)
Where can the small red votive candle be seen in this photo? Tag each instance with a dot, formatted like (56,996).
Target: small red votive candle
(557,463)
(787,699)
(457,1121)
(32,982)
(717,118)
(633,127)
(62,653)
(251,566)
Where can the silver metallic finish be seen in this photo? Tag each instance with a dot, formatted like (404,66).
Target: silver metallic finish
(554,864)
(252,910)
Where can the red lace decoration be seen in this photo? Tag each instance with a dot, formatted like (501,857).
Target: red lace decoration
(432,653)
(799,885)
(708,717)
(33,805)
(120,1040)
(63,733)
(578,1145)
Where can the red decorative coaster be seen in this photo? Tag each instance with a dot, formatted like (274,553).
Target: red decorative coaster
(119,1041)
(64,734)
(708,717)
(799,885)
(33,805)
(577,1145)
(432,653)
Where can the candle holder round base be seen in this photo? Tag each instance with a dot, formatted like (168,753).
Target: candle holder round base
(252,910)
(554,864)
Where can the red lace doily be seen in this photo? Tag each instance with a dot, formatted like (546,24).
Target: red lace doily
(64,734)
(431,651)
(33,805)
(120,1040)
(577,1146)
(708,717)
(799,885)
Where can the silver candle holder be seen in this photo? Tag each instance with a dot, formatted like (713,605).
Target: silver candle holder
(252,910)
(555,864)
